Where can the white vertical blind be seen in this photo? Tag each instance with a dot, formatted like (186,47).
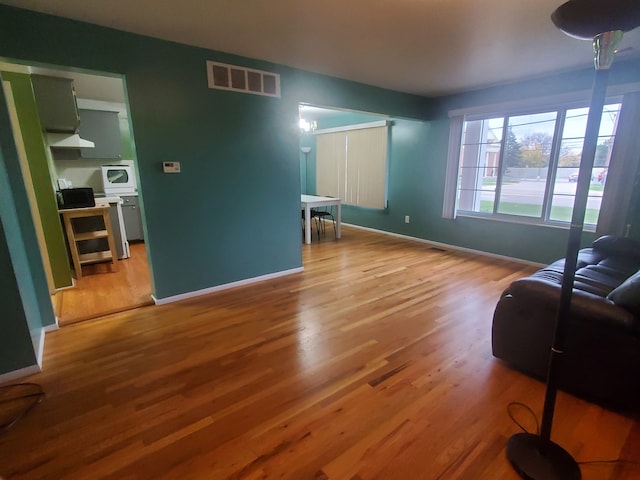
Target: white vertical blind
(453,166)
(330,164)
(366,167)
(352,165)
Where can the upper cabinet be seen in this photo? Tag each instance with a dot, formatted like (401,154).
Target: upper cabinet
(103,129)
(70,128)
(56,100)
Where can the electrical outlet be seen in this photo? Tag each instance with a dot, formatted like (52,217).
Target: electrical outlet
(406,219)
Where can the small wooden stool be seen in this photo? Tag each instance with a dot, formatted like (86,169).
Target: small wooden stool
(108,255)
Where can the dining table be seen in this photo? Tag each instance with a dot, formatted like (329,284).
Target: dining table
(309,202)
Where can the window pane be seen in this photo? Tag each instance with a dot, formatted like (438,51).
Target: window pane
(564,189)
(504,164)
(527,153)
(479,163)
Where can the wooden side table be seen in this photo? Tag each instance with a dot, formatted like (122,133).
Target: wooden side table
(74,237)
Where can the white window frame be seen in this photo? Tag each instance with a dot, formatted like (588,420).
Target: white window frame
(457,119)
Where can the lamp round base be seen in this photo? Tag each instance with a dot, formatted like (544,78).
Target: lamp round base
(537,459)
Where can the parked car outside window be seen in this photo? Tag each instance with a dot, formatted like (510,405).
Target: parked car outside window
(602,176)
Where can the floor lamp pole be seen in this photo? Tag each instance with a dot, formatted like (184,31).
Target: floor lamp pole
(534,456)
(305,151)
(306,172)
(573,243)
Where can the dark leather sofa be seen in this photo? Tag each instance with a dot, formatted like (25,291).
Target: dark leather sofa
(602,356)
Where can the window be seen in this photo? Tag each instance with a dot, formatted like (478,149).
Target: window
(351,163)
(524,166)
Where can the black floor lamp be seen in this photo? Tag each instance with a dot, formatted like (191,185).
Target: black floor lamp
(536,457)
(305,151)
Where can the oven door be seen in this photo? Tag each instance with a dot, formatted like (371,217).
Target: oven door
(118,179)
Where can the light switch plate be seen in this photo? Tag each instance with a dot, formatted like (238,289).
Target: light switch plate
(171,167)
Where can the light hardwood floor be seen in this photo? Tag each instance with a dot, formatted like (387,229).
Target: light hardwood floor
(373,363)
(102,290)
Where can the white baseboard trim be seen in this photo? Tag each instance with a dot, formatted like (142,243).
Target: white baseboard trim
(446,246)
(226,286)
(53,327)
(73,285)
(37,340)
(38,345)
(20,373)
(46,329)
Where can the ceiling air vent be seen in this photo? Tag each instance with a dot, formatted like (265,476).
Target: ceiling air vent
(240,79)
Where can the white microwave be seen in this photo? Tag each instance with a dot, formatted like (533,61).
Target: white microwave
(118,179)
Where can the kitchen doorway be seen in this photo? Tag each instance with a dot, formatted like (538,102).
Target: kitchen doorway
(102,108)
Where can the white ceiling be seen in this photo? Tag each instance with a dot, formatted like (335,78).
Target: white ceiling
(427,47)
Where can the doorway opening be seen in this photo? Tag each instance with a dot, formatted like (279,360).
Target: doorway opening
(102,109)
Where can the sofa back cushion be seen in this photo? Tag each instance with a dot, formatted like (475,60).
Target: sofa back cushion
(617,246)
(627,295)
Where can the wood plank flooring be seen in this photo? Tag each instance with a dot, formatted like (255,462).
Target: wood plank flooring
(102,291)
(373,363)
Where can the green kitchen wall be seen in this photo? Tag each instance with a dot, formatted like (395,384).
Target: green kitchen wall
(240,154)
(26,305)
(125,138)
(40,176)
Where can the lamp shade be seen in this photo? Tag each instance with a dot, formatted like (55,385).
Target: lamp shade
(585,19)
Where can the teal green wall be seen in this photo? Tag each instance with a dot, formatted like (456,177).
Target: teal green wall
(418,159)
(40,176)
(341,119)
(26,305)
(535,243)
(16,350)
(418,156)
(125,138)
(239,153)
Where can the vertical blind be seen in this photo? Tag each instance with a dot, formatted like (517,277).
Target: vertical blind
(352,165)
(331,157)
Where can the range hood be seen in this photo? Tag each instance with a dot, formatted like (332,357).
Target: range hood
(68,140)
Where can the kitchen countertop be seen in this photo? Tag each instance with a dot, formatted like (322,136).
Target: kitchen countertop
(89,211)
(113,199)
(113,195)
